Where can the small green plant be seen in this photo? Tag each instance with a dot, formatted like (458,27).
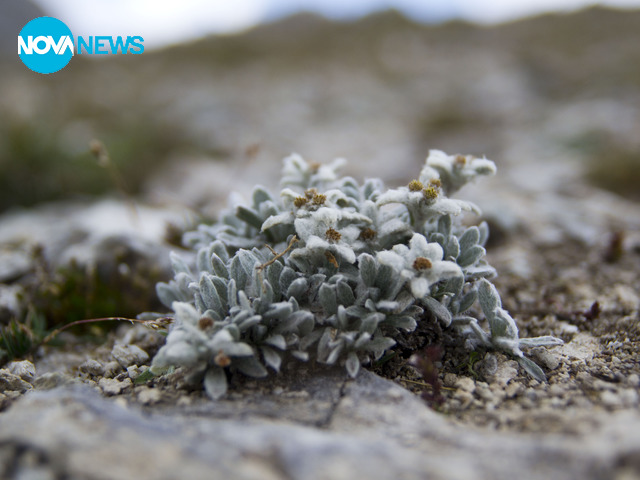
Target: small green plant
(333,271)
(19,337)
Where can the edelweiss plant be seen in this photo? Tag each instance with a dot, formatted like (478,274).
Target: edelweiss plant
(333,270)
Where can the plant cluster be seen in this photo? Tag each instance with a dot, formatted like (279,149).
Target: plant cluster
(333,270)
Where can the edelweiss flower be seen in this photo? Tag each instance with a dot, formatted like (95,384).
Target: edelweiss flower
(454,171)
(421,264)
(320,233)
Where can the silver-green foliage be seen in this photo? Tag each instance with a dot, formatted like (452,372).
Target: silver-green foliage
(357,265)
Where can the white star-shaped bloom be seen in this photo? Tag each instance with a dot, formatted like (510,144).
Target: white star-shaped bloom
(420,264)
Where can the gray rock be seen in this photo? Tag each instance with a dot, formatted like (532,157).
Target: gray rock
(51,380)
(111,369)
(112,386)
(92,367)
(11,302)
(13,264)
(149,396)
(542,356)
(23,369)
(127,355)
(12,383)
(373,429)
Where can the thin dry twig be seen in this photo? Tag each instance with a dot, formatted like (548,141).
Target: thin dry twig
(153,324)
(293,240)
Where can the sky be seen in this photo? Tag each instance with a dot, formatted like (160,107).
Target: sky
(163,22)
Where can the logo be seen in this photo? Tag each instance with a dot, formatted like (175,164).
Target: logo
(46,45)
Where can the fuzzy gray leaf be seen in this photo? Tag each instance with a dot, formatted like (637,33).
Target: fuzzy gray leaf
(298,288)
(167,294)
(219,267)
(368,269)
(344,294)
(444,225)
(467,301)
(439,311)
(274,271)
(280,310)
(210,295)
(271,358)
(469,238)
(237,272)
(203,261)
(259,195)
(328,300)
(311,338)
(532,369)
(302,356)
(489,298)
(250,366)
(452,249)
(352,364)
(277,341)
(406,323)
(215,383)
(544,341)
(220,250)
(503,326)
(479,271)
(379,345)
(484,233)
(471,256)
(371,321)
(463,320)
(249,322)
(249,216)
(323,343)
(178,264)
(335,354)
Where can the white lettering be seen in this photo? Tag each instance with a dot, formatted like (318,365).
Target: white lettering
(23,47)
(35,44)
(47,44)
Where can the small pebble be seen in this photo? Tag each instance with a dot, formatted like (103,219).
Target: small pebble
(92,367)
(450,379)
(24,369)
(111,369)
(134,371)
(111,386)
(465,398)
(545,358)
(149,396)
(127,355)
(514,390)
(466,384)
(12,383)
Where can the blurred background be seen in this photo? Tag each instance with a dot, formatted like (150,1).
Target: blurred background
(223,91)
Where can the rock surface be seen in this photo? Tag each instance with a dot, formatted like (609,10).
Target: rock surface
(374,429)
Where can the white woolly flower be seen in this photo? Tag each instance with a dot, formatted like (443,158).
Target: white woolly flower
(454,171)
(421,264)
(320,233)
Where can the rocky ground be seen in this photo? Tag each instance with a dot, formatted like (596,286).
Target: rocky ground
(553,100)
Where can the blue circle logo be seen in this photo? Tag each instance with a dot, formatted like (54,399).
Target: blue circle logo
(45,45)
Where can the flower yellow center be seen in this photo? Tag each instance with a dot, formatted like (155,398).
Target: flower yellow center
(333,235)
(422,263)
(415,186)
